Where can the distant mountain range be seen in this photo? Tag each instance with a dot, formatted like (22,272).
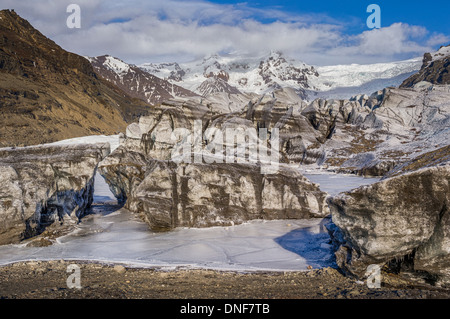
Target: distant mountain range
(234,74)
(239,73)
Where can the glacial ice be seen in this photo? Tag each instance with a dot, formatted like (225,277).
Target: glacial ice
(114,235)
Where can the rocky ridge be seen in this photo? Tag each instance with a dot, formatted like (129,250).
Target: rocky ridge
(435,69)
(136,82)
(49,94)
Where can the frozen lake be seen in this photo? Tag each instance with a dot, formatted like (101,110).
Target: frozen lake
(113,234)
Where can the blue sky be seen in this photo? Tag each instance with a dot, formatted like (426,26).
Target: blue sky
(434,15)
(317,32)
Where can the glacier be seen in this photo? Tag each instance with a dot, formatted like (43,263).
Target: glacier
(111,234)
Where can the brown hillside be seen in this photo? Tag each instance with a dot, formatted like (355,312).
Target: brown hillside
(49,94)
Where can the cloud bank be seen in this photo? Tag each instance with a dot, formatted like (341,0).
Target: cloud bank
(155,31)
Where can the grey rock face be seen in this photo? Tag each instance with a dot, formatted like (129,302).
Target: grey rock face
(45,186)
(216,84)
(169,191)
(168,195)
(373,135)
(401,218)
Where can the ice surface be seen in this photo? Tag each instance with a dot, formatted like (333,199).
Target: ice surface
(113,140)
(120,237)
(114,235)
(355,75)
(333,184)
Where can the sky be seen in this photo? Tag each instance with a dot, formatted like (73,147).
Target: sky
(325,32)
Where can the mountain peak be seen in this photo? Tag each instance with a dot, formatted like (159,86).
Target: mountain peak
(276,54)
(11,23)
(10,14)
(274,69)
(114,64)
(241,72)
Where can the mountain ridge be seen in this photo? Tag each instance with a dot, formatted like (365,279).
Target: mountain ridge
(49,94)
(274,70)
(136,82)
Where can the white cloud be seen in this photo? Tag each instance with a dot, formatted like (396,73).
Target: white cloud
(398,40)
(141,31)
(438,39)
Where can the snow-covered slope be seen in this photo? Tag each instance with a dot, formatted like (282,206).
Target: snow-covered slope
(344,81)
(272,71)
(136,82)
(440,54)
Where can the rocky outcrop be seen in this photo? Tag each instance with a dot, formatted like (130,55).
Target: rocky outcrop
(180,167)
(45,187)
(401,222)
(168,195)
(214,84)
(435,69)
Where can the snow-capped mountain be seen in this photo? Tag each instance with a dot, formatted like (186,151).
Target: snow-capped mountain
(236,74)
(241,73)
(273,71)
(136,82)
